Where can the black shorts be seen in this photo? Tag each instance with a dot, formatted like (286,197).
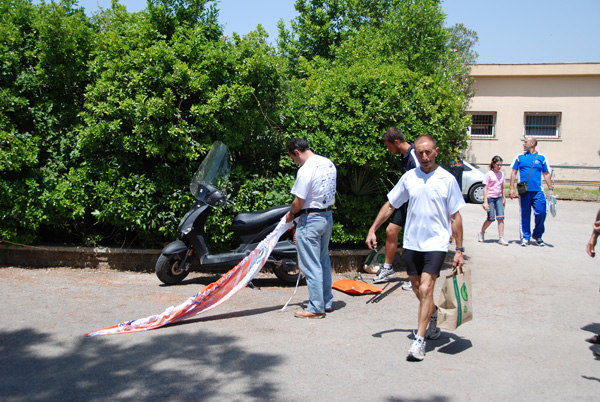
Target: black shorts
(418,262)
(399,215)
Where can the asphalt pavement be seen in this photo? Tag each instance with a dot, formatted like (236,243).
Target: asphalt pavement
(533,309)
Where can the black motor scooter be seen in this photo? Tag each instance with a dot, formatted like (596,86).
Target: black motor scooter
(208,187)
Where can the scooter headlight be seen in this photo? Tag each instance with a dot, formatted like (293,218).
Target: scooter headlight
(186,230)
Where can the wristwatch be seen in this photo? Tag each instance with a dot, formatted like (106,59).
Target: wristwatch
(460,249)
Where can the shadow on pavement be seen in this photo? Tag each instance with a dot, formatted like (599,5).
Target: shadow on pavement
(37,367)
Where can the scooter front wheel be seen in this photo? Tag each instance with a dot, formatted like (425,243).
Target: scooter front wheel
(169,269)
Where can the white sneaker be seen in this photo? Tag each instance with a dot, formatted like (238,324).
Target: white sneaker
(539,241)
(407,285)
(524,242)
(384,275)
(502,241)
(416,352)
(480,237)
(433,332)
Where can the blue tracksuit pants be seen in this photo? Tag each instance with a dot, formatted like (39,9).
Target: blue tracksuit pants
(537,201)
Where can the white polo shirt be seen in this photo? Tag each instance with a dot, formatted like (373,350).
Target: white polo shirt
(434,197)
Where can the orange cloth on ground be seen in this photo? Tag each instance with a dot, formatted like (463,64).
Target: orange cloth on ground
(355,287)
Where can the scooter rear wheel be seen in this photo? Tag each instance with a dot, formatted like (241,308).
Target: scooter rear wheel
(169,271)
(287,276)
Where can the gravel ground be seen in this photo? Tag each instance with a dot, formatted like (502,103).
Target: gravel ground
(534,307)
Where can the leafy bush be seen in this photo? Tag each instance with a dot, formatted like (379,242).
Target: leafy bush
(103,120)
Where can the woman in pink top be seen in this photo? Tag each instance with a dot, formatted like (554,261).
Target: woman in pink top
(494,200)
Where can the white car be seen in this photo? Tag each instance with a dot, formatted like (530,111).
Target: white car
(472,181)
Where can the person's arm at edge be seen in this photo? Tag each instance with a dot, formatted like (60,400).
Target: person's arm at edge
(486,206)
(503,193)
(297,205)
(513,177)
(384,213)
(591,245)
(548,180)
(457,234)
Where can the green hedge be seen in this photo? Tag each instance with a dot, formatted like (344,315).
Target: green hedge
(104,119)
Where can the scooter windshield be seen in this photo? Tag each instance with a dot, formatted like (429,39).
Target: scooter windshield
(213,171)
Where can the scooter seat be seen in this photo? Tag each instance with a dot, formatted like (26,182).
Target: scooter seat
(252,220)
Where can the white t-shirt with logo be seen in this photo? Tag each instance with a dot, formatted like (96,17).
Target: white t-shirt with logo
(434,197)
(315,182)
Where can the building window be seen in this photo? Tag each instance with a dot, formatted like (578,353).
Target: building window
(542,125)
(483,124)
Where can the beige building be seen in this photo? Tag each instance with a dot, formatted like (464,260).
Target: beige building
(559,104)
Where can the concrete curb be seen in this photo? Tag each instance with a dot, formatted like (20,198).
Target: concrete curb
(138,260)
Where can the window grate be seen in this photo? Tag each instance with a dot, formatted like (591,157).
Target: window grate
(483,124)
(542,125)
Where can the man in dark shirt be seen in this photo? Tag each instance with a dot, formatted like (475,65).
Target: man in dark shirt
(395,142)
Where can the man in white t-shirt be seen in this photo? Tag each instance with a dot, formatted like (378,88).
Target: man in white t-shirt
(433,217)
(314,192)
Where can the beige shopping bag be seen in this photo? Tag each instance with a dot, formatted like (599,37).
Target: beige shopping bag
(456,300)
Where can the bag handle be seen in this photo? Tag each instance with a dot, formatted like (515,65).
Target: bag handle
(456,271)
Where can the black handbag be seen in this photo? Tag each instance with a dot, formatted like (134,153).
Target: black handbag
(522,187)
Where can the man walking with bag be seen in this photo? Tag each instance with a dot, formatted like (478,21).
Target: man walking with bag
(433,216)
(531,166)
(314,192)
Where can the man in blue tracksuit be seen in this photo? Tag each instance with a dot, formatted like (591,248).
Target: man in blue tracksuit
(532,167)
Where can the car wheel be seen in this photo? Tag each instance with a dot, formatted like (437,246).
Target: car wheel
(476,193)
